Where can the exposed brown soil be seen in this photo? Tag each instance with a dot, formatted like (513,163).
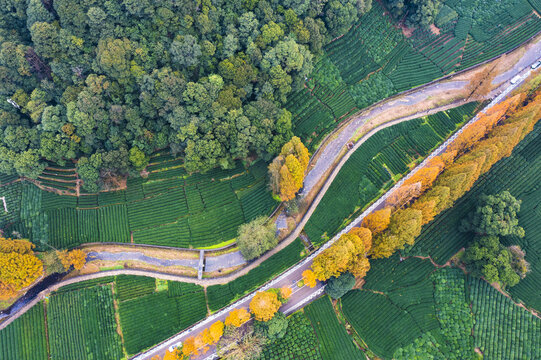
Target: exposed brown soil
(149,251)
(407,31)
(435,30)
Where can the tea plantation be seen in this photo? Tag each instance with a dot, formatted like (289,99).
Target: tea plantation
(375,60)
(168,208)
(377,164)
(83,319)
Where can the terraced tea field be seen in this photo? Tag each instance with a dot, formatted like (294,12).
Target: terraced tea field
(83,319)
(168,208)
(377,164)
(374,60)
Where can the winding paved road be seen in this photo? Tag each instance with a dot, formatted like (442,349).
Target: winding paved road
(303,295)
(334,148)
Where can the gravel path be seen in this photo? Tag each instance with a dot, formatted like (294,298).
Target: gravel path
(216,263)
(335,147)
(136,256)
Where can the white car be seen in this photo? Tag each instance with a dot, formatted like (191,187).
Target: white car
(536,64)
(515,80)
(175,346)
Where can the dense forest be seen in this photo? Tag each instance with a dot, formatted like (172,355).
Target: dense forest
(106,83)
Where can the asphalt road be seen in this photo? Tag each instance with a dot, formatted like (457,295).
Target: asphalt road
(303,295)
(333,149)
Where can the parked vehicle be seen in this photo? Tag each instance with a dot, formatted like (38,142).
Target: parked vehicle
(515,80)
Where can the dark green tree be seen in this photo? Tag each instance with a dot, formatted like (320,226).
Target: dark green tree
(495,215)
(273,329)
(256,237)
(416,12)
(489,259)
(338,286)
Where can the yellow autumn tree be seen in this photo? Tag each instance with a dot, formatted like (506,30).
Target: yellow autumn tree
(295,169)
(288,169)
(200,344)
(76,257)
(404,227)
(264,305)
(216,332)
(19,267)
(378,220)
(433,202)
(237,317)
(346,254)
(285,292)
(309,278)
(288,188)
(8,245)
(188,348)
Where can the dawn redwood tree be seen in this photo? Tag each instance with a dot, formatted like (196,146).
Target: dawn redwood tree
(378,220)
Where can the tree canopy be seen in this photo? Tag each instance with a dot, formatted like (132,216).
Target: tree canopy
(264,305)
(19,267)
(273,329)
(107,83)
(495,215)
(339,286)
(415,12)
(488,258)
(256,237)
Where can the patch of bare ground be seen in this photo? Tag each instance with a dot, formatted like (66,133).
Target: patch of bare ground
(435,30)
(407,31)
(97,265)
(359,283)
(221,272)
(166,254)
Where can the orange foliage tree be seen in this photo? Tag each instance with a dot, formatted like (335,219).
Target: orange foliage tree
(348,253)
(76,257)
(264,305)
(378,220)
(287,170)
(237,317)
(309,278)
(403,195)
(425,177)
